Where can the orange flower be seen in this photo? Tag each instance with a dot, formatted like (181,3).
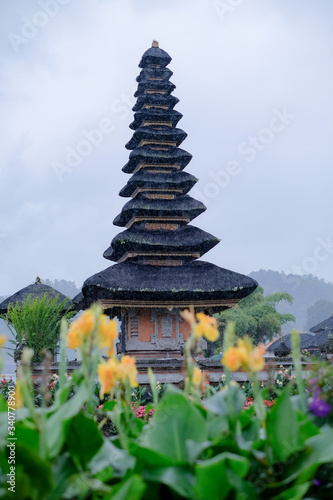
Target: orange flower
(74,338)
(86,322)
(107,333)
(107,374)
(257,360)
(206,327)
(244,356)
(80,329)
(127,370)
(244,348)
(231,359)
(2,340)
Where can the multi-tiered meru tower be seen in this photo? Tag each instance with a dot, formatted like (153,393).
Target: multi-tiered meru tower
(157,273)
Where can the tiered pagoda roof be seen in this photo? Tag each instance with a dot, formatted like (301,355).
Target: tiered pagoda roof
(156,253)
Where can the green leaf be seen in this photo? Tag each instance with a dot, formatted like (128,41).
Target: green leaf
(150,457)
(109,405)
(175,421)
(212,475)
(35,472)
(320,451)
(58,423)
(63,469)
(83,439)
(218,403)
(27,435)
(110,455)
(293,493)
(131,489)
(283,429)
(179,480)
(194,449)
(211,479)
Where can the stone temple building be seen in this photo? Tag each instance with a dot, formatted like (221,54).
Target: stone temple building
(158,271)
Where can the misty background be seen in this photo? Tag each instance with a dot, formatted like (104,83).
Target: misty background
(254,79)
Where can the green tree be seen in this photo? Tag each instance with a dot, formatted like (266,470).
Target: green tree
(256,316)
(36,323)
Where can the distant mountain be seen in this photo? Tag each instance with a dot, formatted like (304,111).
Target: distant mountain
(68,288)
(307,290)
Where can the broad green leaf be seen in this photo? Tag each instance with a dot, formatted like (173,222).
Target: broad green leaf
(293,493)
(321,452)
(108,406)
(244,489)
(211,479)
(179,480)
(58,423)
(130,489)
(27,435)
(63,468)
(33,467)
(217,426)
(283,429)
(149,457)
(175,421)
(83,439)
(110,455)
(194,449)
(212,475)
(218,403)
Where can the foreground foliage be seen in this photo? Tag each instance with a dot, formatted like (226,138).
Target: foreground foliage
(196,444)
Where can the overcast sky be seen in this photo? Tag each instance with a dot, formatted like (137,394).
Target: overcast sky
(255,81)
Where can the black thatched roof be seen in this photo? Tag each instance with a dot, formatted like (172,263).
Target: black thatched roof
(167,100)
(164,86)
(35,291)
(174,180)
(156,133)
(151,74)
(187,239)
(155,56)
(320,338)
(193,282)
(327,324)
(184,206)
(149,154)
(155,115)
(306,338)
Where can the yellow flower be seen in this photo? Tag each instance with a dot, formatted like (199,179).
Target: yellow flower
(2,340)
(206,327)
(257,360)
(18,396)
(107,374)
(244,348)
(244,356)
(107,333)
(197,376)
(231,359)
(86,322)
(74,338)
(127,370)
(80,329)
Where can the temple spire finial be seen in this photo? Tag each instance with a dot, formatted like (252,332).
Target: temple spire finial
(155,43)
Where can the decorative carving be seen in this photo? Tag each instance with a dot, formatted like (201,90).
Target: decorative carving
(166,326)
